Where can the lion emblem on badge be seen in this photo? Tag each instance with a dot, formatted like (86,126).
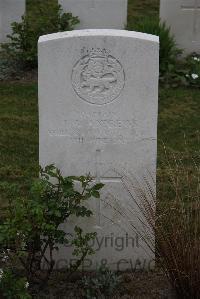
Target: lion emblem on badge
(98,77)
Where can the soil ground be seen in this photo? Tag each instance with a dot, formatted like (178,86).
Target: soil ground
(138,285)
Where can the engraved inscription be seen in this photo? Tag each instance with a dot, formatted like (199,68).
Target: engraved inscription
(96,128)
(92,5)
(194,6)
(190,4)
(106,177)
(98,77)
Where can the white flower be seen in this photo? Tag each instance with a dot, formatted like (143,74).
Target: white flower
(23,245)
(1,273)
(194,76)
(196,58)
(26,285)
(4,258)
(187,75)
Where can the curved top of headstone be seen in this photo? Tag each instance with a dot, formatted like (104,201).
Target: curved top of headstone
(99,32)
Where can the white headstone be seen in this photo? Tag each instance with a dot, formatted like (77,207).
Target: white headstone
(10,11)
(183,16)
(98,98)
(108,14)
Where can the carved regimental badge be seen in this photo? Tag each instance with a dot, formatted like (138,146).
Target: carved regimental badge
(98,77)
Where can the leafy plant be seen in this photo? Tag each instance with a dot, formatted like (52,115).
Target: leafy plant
(193,67)
(168,49)
(12,286)
(31,231)
(45,17)
(101,285)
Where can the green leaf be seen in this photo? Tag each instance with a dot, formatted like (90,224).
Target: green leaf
(99,186)
(95,194)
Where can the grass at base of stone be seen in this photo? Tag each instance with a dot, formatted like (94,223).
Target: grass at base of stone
(178,129)
(138,9)
(18,134)
(178,120)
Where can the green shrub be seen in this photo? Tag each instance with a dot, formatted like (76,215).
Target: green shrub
(31,231)
(168,49)
(101,285)
(12,286)
(193,70)
(44,18)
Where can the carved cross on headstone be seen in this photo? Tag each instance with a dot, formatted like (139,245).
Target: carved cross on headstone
(108,177)
(92,5)
(194,6)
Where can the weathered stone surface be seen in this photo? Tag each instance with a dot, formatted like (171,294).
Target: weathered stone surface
(183,16)
(10,11)
(108,14)
(98,96)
